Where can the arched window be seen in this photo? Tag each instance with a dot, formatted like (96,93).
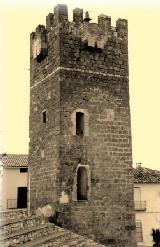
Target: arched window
(82,184)
(79,123)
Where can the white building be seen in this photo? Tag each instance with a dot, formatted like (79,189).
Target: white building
(147,203)
(14,179)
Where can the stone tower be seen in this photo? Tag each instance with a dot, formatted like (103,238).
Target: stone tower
(80,152)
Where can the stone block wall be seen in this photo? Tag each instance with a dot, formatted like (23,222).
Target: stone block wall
(84,68)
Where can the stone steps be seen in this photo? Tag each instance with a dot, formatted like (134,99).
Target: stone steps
(18,229)
(26,234)
(76,242)
(9,226)
(13,214)
(72,241)
(48,240)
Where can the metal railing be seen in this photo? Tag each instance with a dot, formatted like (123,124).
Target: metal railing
(140,205)
(11,203)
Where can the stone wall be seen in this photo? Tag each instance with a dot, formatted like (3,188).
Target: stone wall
(84,66)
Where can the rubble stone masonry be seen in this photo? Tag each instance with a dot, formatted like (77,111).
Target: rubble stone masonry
(82,66)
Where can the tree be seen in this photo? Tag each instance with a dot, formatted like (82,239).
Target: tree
(156,237)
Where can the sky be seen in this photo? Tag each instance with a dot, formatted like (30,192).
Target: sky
(19,18)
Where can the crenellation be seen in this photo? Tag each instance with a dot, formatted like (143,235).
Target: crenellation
(75,37)
(40,29)
(39,43)
(32,35)
(78,15)
(122,28)
(61,13)
(104,22)
(49,21)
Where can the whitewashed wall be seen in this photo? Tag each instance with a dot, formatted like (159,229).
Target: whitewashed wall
(150,218)
(10,181)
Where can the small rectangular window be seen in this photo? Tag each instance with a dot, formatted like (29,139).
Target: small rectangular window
(24,169)
(44,117)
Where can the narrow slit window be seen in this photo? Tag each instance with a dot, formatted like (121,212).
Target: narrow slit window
(82,184)
(79,123)
(44,117)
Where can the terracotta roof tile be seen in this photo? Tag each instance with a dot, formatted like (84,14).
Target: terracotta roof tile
(146,175)
(15,160)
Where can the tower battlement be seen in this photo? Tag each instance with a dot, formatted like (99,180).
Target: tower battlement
(92,34)
(100,46)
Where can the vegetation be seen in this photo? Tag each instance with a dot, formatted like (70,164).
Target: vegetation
(156,237)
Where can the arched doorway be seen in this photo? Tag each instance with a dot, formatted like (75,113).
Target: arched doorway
(82,184)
